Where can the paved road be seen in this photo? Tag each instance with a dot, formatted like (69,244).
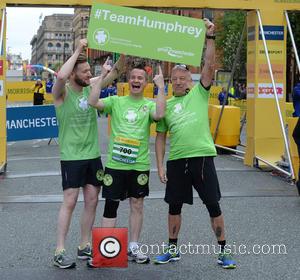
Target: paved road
(260,210)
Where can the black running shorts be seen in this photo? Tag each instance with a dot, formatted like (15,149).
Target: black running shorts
(78,173)
(120,184)
(184,174)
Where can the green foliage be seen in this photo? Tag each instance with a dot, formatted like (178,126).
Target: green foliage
(230,28)
(295,25)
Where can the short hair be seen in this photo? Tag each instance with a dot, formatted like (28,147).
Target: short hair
(140,66)
(80,59)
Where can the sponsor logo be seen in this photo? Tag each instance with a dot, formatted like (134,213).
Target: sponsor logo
(131,115)
(272,32)
(174,53)
(142,179)
(107,180)
(101,36)
(100,175)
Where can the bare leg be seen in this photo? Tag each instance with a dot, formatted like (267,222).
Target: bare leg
(90,194)
(174,225)
(136,217)
(65,215)
(217,225)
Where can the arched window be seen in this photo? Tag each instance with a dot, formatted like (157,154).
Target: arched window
(66,46)
(50,45)
(58,45)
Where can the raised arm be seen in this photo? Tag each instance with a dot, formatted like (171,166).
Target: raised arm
(115,72)
(208,70)
(160,147)
(64,73)
(160,98)
(94,100)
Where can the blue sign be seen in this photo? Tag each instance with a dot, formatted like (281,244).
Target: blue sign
(34,122)
(273,32)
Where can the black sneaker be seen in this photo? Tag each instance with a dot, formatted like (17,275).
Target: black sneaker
(85,253)
(61,260)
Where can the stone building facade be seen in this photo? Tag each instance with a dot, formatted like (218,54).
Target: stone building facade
(53,43)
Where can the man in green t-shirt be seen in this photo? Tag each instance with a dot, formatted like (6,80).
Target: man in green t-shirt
(191,155)
(79,149)
(127,168)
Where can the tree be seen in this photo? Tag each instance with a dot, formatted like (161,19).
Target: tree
(292,69)
(230,28)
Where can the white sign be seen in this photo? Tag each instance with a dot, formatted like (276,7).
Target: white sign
(267,91)
(1,88)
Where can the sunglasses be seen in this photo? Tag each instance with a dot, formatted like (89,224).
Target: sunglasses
(181,66)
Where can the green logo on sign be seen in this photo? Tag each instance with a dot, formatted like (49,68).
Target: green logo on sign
(107,180)
(99,175)
(142,179)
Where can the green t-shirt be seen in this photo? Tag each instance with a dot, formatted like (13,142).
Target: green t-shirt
(187,120)
(77,126)
(130,130)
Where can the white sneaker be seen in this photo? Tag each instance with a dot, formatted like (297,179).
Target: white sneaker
(137,256)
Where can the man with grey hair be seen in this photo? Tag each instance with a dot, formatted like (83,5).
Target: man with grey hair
(191,155)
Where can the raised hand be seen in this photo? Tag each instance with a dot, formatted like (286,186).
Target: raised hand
(106,67)
(210,27)
(82,44)
(159,79)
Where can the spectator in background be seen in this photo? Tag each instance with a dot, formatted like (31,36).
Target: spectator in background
(38,93)
(111,90)
(296,100)
(49,85)
(222,96)
(237,92)
(243,91)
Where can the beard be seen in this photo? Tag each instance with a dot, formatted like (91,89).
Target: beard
(80,82)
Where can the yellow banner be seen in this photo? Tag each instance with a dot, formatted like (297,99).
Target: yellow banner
(23,92)
(2,98)
(214,4)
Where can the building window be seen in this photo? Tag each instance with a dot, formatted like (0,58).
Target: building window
(50,46)
(67,24)
(58,24)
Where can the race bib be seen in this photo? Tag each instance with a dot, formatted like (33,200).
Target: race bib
(125,150)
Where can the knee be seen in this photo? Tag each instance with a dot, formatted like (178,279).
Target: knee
(136,204)
(175,209)
(91,201)
(70,202)
(110,208)
(214,210)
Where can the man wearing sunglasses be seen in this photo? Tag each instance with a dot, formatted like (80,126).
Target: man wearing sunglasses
(191,155)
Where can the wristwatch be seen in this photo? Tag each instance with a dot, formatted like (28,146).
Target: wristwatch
(212,37)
